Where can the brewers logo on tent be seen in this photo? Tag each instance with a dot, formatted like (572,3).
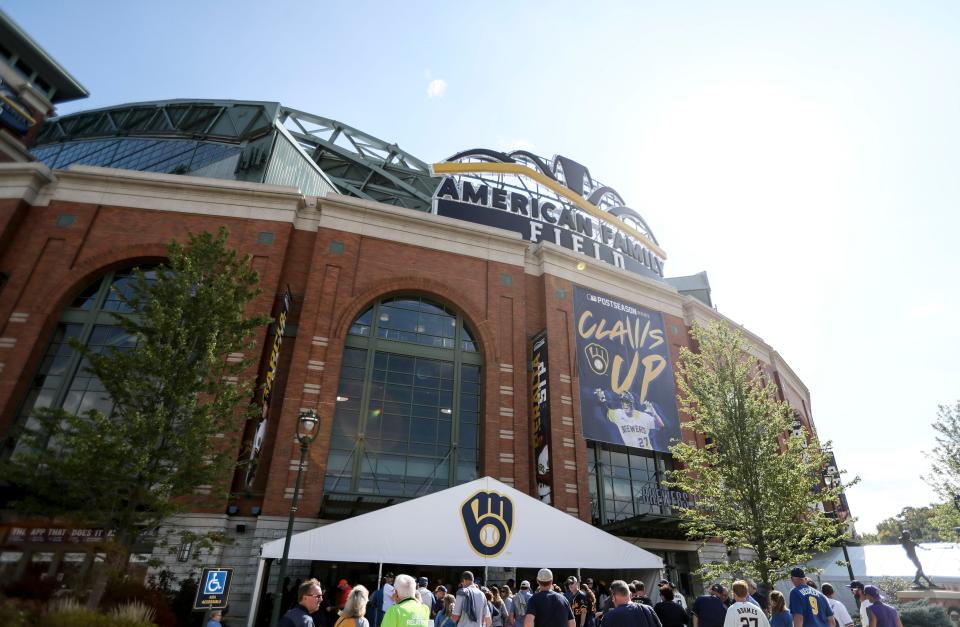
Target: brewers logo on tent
(487,520)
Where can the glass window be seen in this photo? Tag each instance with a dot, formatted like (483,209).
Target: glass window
(408,403)
(62,379)
(625,483)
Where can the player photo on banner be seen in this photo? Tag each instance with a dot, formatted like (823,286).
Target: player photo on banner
(627,393)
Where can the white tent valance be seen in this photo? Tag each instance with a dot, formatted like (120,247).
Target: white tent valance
(463,531)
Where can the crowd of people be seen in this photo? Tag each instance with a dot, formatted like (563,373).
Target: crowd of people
(403,601)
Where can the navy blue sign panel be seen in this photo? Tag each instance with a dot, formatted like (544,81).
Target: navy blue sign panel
(214,589)
(535,230)
(627,393)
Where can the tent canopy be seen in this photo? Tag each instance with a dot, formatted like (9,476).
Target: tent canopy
(463,531)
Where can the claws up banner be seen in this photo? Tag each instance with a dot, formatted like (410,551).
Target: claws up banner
(627,393)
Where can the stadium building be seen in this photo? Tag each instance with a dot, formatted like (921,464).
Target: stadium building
(486,315)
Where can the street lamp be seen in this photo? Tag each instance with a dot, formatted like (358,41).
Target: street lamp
(832,477)
(306,432)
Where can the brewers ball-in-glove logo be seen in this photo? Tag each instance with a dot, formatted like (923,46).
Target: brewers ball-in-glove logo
(598,357)
(488,521)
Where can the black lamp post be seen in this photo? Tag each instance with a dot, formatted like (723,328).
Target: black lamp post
(832,477)
(306,431)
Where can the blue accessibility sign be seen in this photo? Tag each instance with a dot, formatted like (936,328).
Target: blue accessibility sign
(213,589)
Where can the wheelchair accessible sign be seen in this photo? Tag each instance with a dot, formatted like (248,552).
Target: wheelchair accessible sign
(213,589)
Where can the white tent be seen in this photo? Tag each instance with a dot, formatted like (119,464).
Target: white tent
(539,535)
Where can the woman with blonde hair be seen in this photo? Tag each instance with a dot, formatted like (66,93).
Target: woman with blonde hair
(443,616)
(354,609)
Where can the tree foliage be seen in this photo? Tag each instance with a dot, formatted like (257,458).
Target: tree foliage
(757,486)
(175,393)
(944,477)
(919,521)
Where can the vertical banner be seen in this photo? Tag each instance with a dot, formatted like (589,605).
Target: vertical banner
(268,388)
(627,393)
(540,414)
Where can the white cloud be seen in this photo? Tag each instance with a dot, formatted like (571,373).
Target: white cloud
(436,88)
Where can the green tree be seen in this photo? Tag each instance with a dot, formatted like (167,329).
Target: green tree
(917,520)
(757,486)
(944,477)
(174,393)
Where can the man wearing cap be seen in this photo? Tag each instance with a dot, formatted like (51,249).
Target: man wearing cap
(743,612)
(570,589)
(808,606)
(547,608)
(856,588)
(423,592)
(343,594)
(626,613)
(881,614)
(471,608)
(709,610)
(438,593)
(520,600)
(840,613)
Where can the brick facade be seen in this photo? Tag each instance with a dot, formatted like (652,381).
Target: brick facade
(61,230)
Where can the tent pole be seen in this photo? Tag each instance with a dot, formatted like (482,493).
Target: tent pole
(255,597)
(379,573)
(485,582)
(579,578)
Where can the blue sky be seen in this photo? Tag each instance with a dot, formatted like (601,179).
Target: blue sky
(804,154)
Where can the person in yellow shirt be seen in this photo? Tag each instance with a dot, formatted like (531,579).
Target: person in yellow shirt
(408,611)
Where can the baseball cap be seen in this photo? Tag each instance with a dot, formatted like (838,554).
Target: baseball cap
(717,588)
(797,572)
(545,575)
(872,591)
(856,583)
(524,584)
(442,588)
(388,576)
(422,581)
(571,579)
(342,582)
(663,582)
(588,581)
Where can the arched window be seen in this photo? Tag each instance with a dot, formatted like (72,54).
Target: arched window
(62,380)
(408,403)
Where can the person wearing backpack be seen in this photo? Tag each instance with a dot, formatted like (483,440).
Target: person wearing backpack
(470,608)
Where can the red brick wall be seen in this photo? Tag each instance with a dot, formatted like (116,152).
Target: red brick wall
(504,307)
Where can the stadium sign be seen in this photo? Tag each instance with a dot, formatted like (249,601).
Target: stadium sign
(555,201)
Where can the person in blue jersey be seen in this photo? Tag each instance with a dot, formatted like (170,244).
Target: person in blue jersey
(808,606)
(708,610)
(625,613)
(548,608)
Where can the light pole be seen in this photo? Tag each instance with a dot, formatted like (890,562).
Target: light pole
(306,431)
(832,477)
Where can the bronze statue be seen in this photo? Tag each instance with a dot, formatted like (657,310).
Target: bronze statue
(911,548)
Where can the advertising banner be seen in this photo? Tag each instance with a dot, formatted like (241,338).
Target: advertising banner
(268,388)
(540,414)
(627,393)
